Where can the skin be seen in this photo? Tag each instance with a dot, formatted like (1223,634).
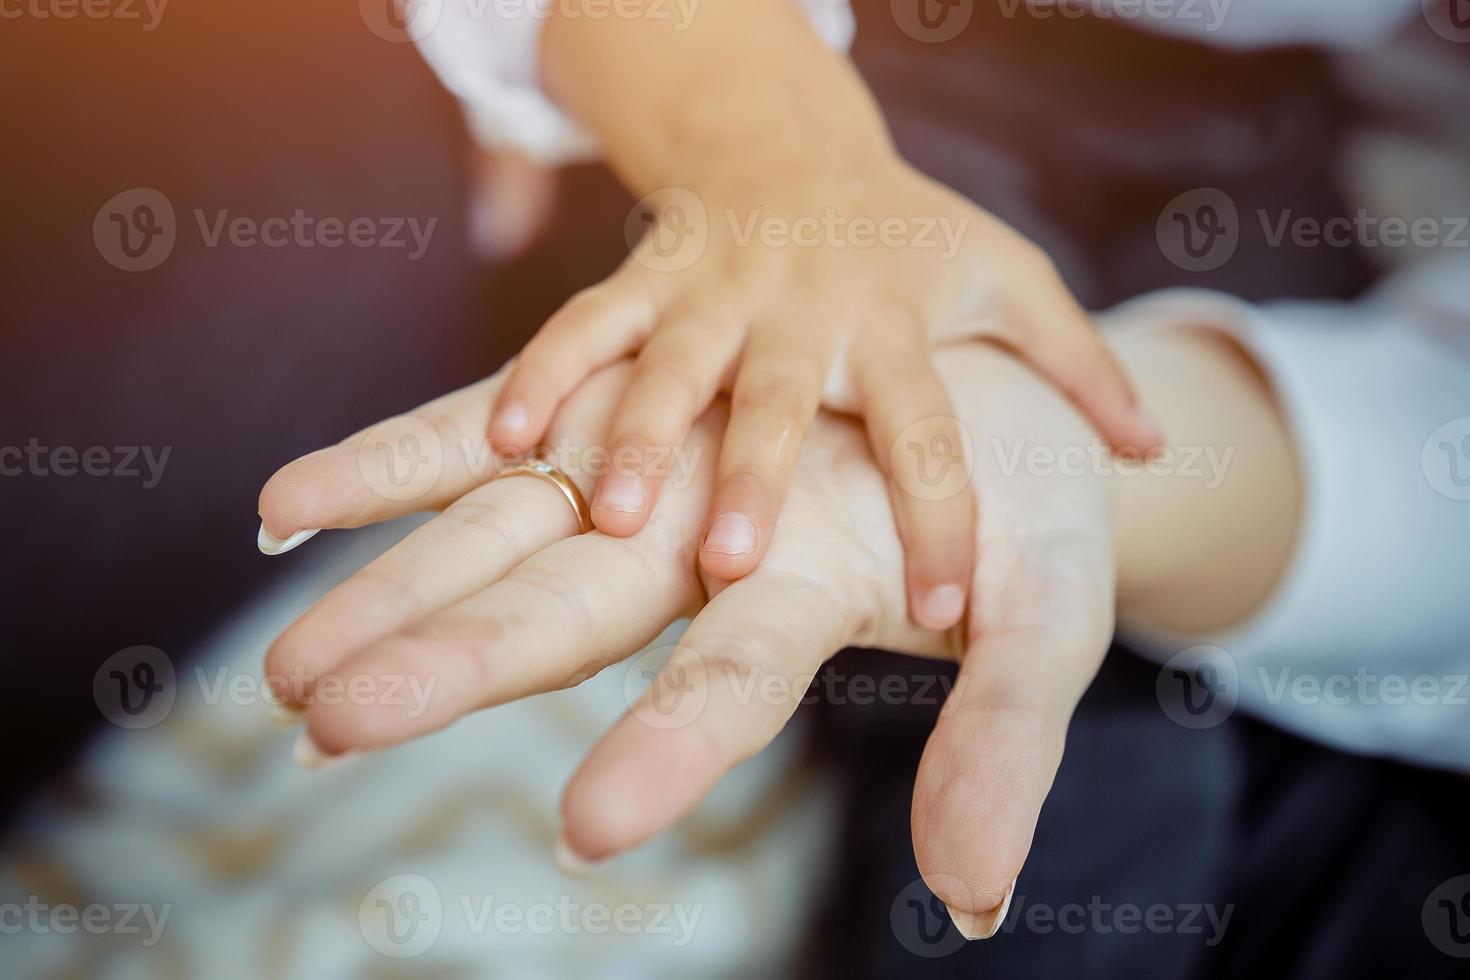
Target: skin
(705,124)
(495,599)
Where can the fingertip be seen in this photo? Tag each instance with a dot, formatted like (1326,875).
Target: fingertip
(272,544)
(619,523)
(1126,427)
(608,806)
(302,497)
(309,754)
(730,549)
(1148,435)
(511,427)
(937,607)
(571,862)
(621,503)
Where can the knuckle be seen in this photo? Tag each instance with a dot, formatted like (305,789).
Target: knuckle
(486,518)
(666,385)
(562,591)
(775,401)
(466,657)
(441,420)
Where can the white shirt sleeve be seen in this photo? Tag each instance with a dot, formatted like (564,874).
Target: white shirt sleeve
(1366,643)
(1260,23)
(485,52)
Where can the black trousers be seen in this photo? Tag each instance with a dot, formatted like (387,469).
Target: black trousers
(1237,851)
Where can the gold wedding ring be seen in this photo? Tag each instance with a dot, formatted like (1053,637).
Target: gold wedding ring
(558,479)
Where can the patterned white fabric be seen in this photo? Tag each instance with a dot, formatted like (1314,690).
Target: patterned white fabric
(258,869)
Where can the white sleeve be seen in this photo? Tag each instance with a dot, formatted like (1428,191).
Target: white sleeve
(486,53)
(1259,23)
(1366,643)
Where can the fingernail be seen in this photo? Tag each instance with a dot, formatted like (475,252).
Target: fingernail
(287,716)
(309,756)
(572,863)
(983,925)
(269,544)
(621,492)
(512,417)
(941,607)
(731,534)
(1149,424)
(283,713)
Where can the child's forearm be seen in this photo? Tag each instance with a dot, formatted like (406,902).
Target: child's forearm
(679,95)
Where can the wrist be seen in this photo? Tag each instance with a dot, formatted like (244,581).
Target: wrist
(1205,530)
(745,86)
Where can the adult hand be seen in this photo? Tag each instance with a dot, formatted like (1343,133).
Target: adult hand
(495,599)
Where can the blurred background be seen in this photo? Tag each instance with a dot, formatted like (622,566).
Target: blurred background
(156,374)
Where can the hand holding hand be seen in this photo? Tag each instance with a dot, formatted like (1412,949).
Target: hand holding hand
(495,599)
(794,290)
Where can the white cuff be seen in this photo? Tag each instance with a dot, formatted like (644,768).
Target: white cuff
(1366,642)
(486,53)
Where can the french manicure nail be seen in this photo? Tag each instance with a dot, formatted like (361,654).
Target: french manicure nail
(287,716)
(283,713)
(309,756)
(983,925)
(622,492)
(941,607)
(732,533)
(269,544)
(1149,424)
(572,863)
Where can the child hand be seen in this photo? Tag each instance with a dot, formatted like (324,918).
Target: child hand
(808,290)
